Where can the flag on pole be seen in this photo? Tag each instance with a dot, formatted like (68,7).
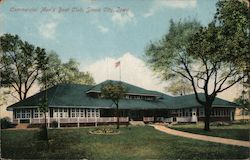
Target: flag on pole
(117,64)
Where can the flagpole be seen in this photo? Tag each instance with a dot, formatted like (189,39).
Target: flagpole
(120,71)
(107,68)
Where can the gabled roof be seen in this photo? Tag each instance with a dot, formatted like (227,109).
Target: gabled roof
(75,95)
(131,89)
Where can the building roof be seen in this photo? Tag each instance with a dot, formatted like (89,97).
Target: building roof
(75,95)
(190,100)
(131,89)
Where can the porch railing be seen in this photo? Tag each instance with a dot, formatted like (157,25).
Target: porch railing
(75,120)
(148,119)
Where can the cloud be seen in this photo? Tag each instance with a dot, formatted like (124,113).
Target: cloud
(133,71)
(161,4)
(122,19)
(47,28)
(102,29)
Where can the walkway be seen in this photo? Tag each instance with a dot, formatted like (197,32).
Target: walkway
(202,137)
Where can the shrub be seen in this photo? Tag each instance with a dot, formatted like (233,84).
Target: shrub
(218,123)
(54,124)
(5,123)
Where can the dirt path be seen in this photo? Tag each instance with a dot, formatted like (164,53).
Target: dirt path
(202,137)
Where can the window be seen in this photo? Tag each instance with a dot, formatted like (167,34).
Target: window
(82,113)
(23,115)
(36,113)
(88,113)
(201,110)
(18,115)
(93,113)
(65,109)
(97,113)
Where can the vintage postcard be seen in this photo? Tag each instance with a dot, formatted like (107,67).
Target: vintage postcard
(124,79)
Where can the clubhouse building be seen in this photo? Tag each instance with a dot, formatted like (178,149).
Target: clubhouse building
(79,105)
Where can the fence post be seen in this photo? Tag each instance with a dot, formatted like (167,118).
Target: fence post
(95,121)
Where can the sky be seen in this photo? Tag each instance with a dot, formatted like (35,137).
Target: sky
(89,30)
(98,33)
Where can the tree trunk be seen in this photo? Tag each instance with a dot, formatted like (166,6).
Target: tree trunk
(118,117)
(207,117)
(45,127)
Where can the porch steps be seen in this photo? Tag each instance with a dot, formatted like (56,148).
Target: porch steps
(137,123)
(22,126)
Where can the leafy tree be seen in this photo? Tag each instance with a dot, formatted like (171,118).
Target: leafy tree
(243,102)
(68,72)
(233,18)
(216,58)
(19,64)
(197,54)
(179,86)
(115,92)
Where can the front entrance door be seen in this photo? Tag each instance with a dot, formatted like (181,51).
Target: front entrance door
(135,115)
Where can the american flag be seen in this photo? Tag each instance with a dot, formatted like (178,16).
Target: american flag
(117,64)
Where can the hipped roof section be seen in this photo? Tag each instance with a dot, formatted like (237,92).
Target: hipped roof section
(76,95)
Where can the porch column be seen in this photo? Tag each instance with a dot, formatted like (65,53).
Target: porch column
(58,121)
(78,122)
(95,119)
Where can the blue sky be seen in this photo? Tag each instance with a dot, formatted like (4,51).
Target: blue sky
(91,36)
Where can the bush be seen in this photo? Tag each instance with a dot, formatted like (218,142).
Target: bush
(218,123)
(54,124)
(104,131)
(5,123)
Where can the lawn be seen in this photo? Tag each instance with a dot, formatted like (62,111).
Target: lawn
(234,131)
(131,143)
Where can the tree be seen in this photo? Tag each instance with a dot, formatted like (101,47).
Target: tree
(68,72)
(244,104)
(115,92)
(179,86)
(19,64)
(44,107)
(233,18)
(197,54)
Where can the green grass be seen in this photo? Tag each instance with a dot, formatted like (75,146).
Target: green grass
(131,143)
(234,131)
